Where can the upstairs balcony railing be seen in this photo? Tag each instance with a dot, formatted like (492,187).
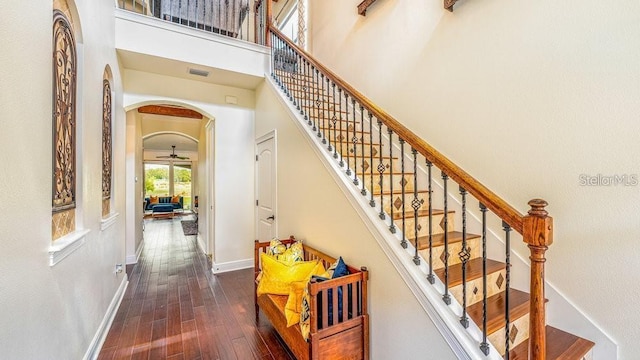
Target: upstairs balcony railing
(239,19)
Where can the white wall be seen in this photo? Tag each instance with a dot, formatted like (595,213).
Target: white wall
(526,96)
(312,207)
(233,161)
(54,312)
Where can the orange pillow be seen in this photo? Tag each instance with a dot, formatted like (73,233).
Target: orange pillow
(175,199)
(153,200)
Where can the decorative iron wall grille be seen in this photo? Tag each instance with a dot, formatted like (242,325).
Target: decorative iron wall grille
(64,113)
(106,140)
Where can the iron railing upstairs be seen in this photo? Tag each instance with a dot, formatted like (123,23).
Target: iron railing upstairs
(408,181)
(239,19)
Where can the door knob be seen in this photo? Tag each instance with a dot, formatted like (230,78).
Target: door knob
(271,217)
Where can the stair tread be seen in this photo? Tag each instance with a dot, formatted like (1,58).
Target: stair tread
(474,270)
(438,239)
(518,307)
(561,345)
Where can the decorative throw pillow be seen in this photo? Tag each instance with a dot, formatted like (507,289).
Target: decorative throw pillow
(293,307)
(276,247)
(305,313)
(153,200)
(295,252)
(175,199)
(336,270)
(278,276)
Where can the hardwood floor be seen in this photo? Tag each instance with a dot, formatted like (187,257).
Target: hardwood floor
(175,308)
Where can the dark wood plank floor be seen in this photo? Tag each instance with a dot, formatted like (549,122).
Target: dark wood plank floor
(175,308)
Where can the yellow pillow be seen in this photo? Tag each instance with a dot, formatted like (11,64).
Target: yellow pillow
(277,276)
(153,200)
(294,303)
(295,252)
(175,199)
(305,313)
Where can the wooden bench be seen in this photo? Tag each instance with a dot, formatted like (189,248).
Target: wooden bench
(346,337)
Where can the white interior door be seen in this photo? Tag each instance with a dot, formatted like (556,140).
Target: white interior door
(266,196)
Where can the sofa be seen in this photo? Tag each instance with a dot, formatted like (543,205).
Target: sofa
(164,200)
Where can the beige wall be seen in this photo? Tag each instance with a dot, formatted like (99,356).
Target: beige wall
(54,312)
(312,207)
(526,96)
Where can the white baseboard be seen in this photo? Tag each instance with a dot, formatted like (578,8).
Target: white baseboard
(101,335)
(201,244)
(133,259)
(232,266)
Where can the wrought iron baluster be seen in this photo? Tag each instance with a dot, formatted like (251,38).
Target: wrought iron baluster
(381,169)
(363,191)
(304,82)
(484,346)
(339,119)
(392,227)
(403,189)
(305,91)
(465,255)
(415,204)
(430,277)
(319,116)
(295,77)
(446,297)
(372,202)
(333,120)
(346,119)
(507,237)
(320,103)
(355,145)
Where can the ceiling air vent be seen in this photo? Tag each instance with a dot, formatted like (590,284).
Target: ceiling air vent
(197,72)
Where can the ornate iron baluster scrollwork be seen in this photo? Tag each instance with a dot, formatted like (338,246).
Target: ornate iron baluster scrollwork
(465,255)
(381,169)
(430,277)
(346,139)
(333,120)
(484,346)
(507,318)
(339,119)
(372,201)
(403,189)
(416,204)
(363,191)
(392,226)
(446,297)
(355,144)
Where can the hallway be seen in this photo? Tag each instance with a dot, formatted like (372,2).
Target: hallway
(175,308)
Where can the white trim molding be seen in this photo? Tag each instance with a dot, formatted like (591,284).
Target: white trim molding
(108,221)
(65,245)
(134,259)
(101,335)
(231,266)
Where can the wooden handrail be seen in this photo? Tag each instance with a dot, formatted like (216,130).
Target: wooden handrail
(492,201)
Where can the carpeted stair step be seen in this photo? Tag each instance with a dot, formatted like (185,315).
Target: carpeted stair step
(518,318)
(561,345)
(455,246)
(495,279)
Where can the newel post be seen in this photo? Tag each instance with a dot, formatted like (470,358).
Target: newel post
(537,232)
(269,20)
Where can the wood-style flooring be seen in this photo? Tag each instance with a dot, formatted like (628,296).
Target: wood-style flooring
(175,308)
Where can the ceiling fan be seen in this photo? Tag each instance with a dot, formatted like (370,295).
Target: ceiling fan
(173,155)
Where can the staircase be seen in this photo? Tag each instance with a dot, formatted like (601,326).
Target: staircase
(431,206)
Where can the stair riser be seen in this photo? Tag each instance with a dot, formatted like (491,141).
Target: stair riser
(492,288)
(454,249)
(423,225)
(385,185)
(397,204)
(497,339)
(368,150)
